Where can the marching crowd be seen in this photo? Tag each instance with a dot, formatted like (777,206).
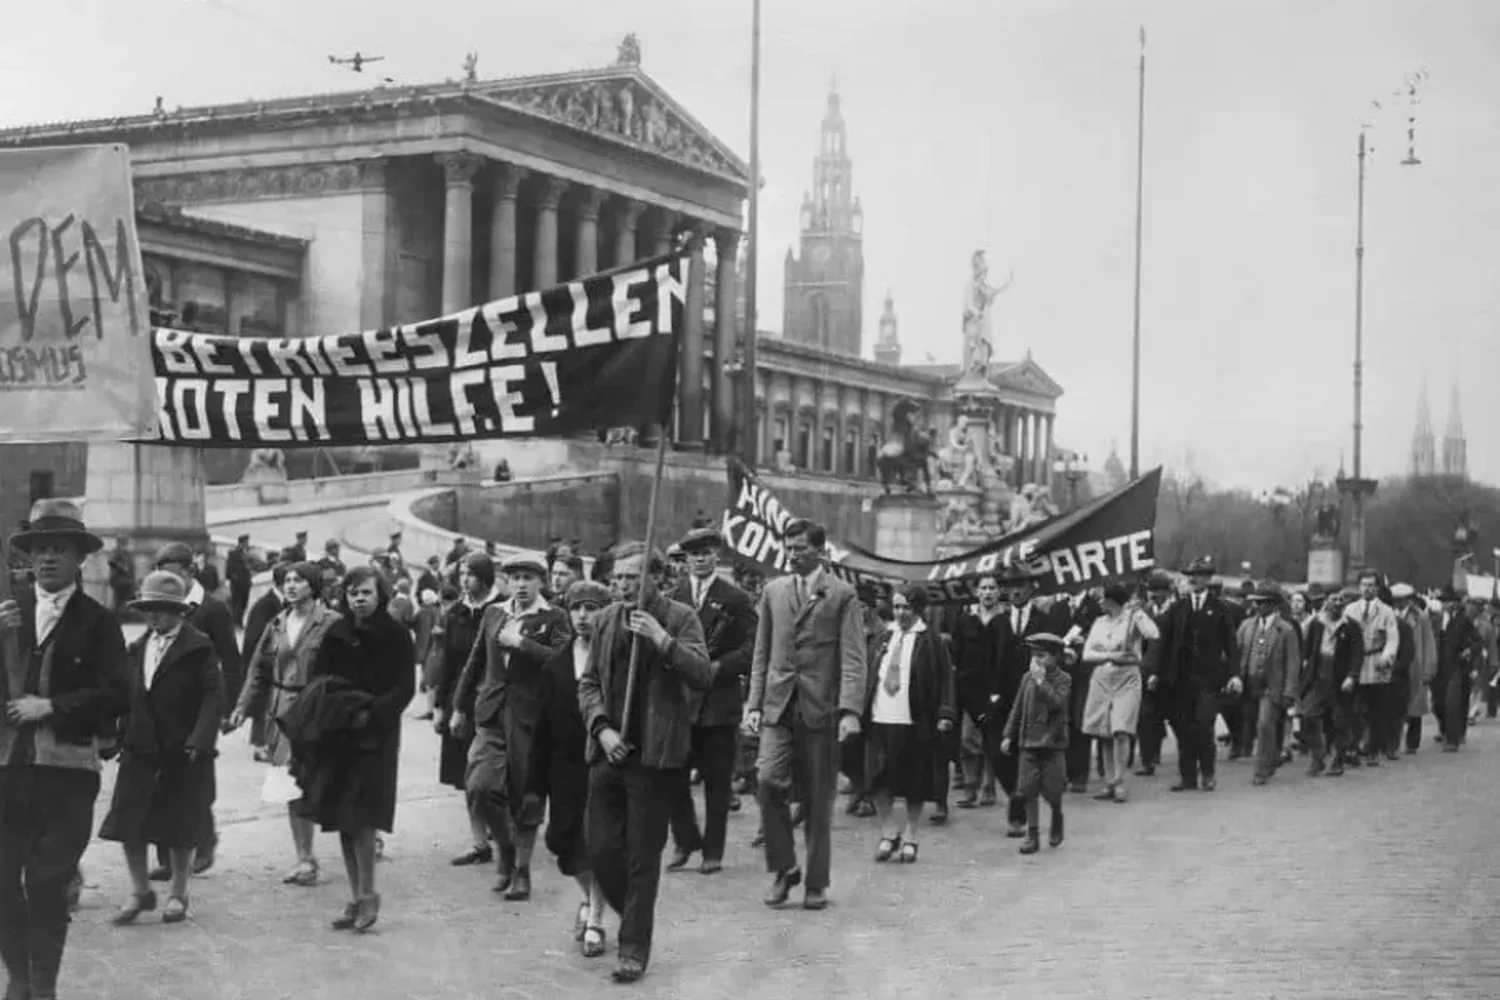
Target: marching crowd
(568,707)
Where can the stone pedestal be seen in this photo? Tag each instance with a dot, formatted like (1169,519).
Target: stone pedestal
(977,401)
(1325,562)
(141,497)
(960,518)
(270,483)
(906,527)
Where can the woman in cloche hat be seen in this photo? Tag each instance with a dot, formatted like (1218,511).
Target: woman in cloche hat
(165,790)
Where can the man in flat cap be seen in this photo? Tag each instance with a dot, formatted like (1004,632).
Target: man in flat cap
(728,620)
(67,687)
(506,778)
(1271,665)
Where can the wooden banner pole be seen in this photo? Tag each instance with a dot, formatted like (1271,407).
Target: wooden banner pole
(640,594)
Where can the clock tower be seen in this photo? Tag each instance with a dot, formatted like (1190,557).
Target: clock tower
(825,282)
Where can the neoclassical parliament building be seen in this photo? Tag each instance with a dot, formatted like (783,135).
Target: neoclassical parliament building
(348,211)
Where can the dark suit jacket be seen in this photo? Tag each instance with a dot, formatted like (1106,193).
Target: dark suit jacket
(237,568)
(486,676)
(663,731)
(1056,619)
(1321,681)
(980,656)
(215,621)
(1459,646)
(182,708)
(90,682)
(813,656)
(1207,654)
(728,620)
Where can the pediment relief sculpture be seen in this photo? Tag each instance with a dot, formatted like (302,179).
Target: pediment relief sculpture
(627,111)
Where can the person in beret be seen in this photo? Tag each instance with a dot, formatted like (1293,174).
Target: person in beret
(1037,731)
(71,647)
(567,763)
(728,620)
(503,678)
(165,788)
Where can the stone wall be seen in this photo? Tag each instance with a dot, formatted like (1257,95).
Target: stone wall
(21,464)
(611,503)
(371,484)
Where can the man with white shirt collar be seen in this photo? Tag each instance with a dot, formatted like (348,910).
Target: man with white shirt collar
(213,618)
(67,687)
(1382,640)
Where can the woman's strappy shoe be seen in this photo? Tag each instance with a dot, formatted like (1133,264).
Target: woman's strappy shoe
(305,874)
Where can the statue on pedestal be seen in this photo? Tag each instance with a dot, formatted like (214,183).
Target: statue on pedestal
(266,465)
(1327,519)
(907,453)
(979,344)
(958,463)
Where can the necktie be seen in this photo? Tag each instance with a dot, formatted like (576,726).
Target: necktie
(1368,612)
(801,590)
(892,681)
(1015,621)
(47,614)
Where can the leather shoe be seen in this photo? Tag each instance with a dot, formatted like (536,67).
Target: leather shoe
(474,856)
(814,899)
(134,907)
(1183,786)
(629,970)
(520,885)
(680,859)
(782,886)
(711,866)
(203,862)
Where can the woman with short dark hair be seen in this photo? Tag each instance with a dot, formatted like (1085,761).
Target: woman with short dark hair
(909,701)
(1113,709)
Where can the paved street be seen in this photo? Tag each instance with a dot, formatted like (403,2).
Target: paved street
(1382,884)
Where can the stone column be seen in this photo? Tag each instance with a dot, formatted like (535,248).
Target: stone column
(507,182)
(544,260)
(662,236)
(586,254)
(458,229)
(1023,449)
(629,215)
(726,246)
(690,358)
(145,496)
(1047,450)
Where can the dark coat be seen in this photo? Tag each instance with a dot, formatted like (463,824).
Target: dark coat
(567,770)
(930,691)
(665,678)
(1460,648)
(237,568)
(1056,619)
(1162,657)
(89,686)
(490,671)
(374,659)
(728,620)
(1206,653)
(980,657)
(213,618)
(452,641)
(1039,718)
(162,795)
(1321,680)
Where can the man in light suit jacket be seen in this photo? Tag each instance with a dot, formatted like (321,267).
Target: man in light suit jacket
(807,687)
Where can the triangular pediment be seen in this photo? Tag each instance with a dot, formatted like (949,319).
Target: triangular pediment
(619,104)
(1027,376)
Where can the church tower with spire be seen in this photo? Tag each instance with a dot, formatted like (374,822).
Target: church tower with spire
(888,345)
(825,282)
(1455,447)
(1423,441)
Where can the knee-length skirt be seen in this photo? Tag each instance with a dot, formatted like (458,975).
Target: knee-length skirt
(1114,702)
(899,761)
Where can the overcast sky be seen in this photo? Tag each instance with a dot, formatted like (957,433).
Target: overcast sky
(1008,126)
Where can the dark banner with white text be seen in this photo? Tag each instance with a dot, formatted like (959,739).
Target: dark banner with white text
(595,353)
(1106,539)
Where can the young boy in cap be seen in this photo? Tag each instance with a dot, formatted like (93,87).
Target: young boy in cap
(1038,729)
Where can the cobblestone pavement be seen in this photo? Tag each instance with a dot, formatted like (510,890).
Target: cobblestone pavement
(1382,884)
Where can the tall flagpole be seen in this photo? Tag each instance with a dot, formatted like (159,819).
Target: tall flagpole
(1135,349)
(749,439)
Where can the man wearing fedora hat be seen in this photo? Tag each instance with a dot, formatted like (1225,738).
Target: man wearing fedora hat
(506,779)
(728,619)
(67,687)
(1271,665)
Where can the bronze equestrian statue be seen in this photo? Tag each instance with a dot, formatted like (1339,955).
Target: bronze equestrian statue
(907,453)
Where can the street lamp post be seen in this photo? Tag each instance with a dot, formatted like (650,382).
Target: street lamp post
(1356,487)
(1072,468)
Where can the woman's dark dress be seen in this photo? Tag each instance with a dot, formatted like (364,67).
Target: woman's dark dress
(459,630)
(375,657)
(566,743)
(161,796)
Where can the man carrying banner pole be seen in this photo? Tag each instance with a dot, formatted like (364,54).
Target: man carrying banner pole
(647,657)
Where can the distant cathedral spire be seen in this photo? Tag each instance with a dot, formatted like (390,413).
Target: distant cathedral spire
(1423,440)
(888,345)
(1455,447)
